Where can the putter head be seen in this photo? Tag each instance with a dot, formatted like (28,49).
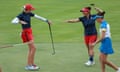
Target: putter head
(53,53)
(92,4)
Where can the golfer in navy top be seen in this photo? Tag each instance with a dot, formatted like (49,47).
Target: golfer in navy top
(90,32)
(24,19)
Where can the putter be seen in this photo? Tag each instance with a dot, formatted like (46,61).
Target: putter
(51,36)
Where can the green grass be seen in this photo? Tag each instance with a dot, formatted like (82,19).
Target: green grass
(71,52)
(69,57)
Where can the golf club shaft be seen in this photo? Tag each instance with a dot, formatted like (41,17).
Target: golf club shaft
(13,45)
(51,39)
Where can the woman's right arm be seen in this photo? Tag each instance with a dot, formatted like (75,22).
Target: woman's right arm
(73,21)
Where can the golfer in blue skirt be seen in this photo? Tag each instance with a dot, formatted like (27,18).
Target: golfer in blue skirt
(106,44)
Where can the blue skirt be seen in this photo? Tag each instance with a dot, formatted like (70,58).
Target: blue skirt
(106,46)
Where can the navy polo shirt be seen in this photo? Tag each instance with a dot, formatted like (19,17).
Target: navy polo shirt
(89,25)
(27,18)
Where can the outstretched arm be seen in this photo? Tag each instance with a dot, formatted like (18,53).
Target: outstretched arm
(42,18)
(73,21)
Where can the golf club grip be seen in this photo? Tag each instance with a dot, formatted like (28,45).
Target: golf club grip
(52,39)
